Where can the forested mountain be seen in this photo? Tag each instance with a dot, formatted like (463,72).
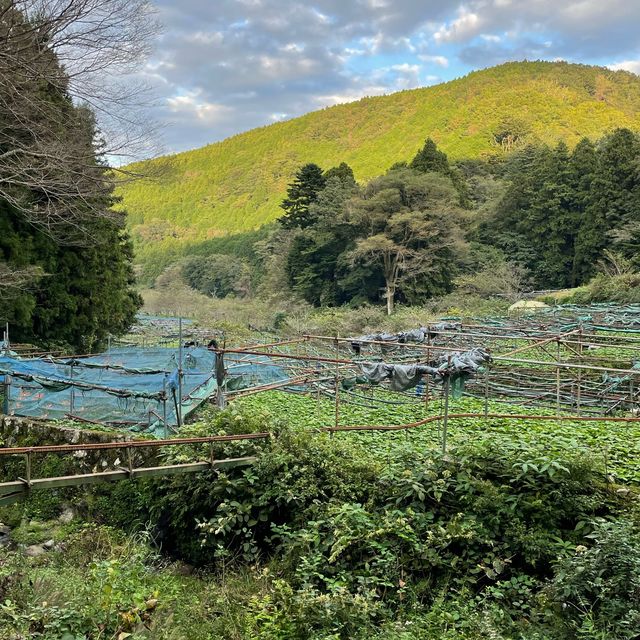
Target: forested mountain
(237,184)
(542,217)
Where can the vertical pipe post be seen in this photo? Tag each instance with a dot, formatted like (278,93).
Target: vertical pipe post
(7,378)
(426,386)
(486,392)
(337,398)
(447,382)
(72,395)
(164,406)
(179,407)
(558,377)
(337,387)
(579,391)
(220,376)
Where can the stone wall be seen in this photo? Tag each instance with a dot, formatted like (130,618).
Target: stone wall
(29,432)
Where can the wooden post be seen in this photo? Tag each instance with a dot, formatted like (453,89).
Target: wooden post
(28,469)
(7,394)
(130,461)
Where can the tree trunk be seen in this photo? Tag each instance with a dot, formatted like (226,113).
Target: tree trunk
(391,293)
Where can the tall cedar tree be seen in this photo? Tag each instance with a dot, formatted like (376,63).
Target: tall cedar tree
(304,189)
(583,169)
(312,262)
(86,291)
(430,158)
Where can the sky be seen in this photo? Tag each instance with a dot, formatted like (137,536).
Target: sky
(221,67)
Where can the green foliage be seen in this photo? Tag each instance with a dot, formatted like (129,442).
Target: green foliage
(237,184)
(217,275)
(561,210)
(596,589)
(302,192)
(608,288)
(64,230)
(430,159)
(359,535)
(343,172)
(111,590)
(399,231)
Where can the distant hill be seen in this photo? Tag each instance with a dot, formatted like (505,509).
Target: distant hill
(237,184)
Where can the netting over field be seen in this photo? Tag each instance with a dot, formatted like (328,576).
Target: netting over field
(582,361)
(127,385)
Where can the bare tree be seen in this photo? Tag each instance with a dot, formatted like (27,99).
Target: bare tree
(15,281)
(505,279)
(56,58)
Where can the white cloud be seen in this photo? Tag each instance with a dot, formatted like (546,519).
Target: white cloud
(626,65)
(192,104)
(441,61)
(203,37)
(464,27)
(405,67)
(226,66)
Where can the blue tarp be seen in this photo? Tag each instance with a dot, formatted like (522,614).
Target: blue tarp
(125,385)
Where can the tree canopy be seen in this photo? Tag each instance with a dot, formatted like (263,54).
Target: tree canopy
(58,222)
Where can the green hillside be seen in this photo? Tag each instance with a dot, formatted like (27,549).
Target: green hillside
(237,184)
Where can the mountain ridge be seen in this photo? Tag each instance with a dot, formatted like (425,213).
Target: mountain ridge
(237,184)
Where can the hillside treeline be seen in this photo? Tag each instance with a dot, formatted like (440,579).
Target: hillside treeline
(542,218)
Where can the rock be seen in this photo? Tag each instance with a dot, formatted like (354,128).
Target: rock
(34,550)
(66,516)
(49,544)
(5,530)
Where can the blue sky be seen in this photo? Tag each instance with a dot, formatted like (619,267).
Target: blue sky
(224,66)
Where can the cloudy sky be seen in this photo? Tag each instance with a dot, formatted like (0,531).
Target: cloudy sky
(225,66)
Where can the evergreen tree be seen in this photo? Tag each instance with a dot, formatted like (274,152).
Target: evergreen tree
(312,262)
(304,189)
(613,215)
(550,219)
(343,172)
(430,158)
(583,169)
(59,219)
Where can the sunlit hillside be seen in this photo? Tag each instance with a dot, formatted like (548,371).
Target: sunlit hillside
(237,184)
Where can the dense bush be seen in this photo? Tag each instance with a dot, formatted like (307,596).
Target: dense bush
(352,542)
(345,537)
